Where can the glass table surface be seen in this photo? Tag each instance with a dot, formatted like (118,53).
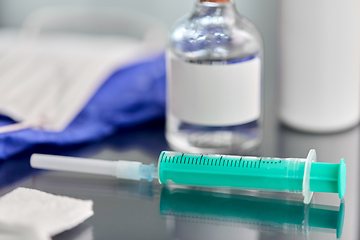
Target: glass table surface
(125,209)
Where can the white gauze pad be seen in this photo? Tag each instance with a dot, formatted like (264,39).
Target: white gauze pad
(46,213)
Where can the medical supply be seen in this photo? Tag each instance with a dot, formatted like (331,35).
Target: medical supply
(255,212)
(32,212)
(254,173)
(46,79)
(214,63)
(63,102)
(320,64)
(45,83)
(129,97)
(121,169)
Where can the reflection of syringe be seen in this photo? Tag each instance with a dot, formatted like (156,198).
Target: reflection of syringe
(252,212)
(266,174)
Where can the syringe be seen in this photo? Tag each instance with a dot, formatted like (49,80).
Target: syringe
(256,173)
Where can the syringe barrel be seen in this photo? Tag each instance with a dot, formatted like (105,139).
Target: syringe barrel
(269,174)
(231,171)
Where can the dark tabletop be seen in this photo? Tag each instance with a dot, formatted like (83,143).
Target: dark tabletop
(126,209)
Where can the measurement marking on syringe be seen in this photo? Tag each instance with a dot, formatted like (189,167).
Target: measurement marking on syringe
(240,162)
(162,155)
(180,158)
(200,159)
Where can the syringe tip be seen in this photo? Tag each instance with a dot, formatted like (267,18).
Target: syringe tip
(146,172)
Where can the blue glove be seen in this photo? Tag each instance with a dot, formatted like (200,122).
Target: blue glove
(132,95)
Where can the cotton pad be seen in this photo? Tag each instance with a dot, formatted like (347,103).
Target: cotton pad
(40,214)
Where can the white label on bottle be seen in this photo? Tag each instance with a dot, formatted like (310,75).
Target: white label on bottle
(215,95)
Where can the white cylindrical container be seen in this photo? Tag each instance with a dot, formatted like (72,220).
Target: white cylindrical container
(320,67)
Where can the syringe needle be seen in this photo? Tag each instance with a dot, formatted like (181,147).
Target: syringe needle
(120,169)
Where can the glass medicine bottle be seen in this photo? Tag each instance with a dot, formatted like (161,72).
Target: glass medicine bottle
(214,81)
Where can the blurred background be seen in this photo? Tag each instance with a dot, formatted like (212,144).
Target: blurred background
(291,31)
(264,14)
(122,133)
